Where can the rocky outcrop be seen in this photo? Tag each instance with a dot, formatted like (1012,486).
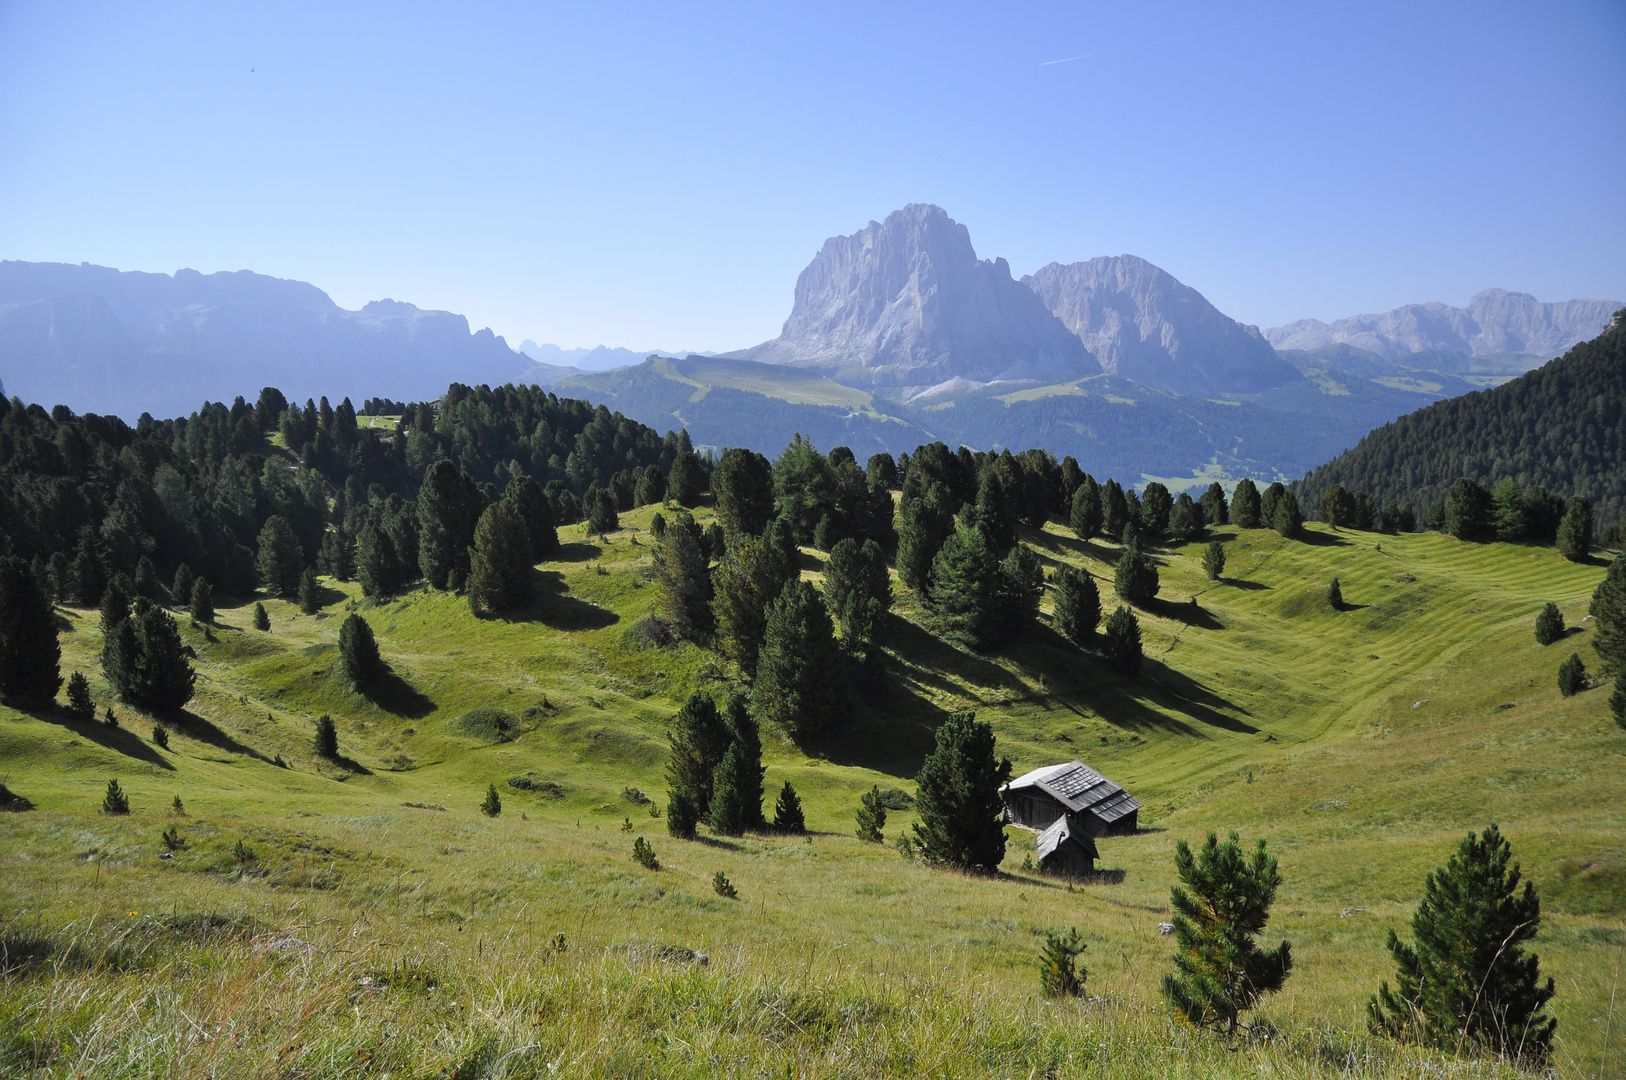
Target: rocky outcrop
(101,340)
(1495,322)
(1143,324)
(906,302)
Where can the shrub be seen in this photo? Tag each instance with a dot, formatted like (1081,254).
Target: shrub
(1466,977)
(326,743)
(644,855)
(1549,624)
(489,724)
(723,887)
(1220,972)
(172,839)
(1059,973)
(79,702)
(492,806)
(787,812)
(109,720)
(243,854)
(177,807)
(160,736)
(871,815)
(1572,676)
(115,801)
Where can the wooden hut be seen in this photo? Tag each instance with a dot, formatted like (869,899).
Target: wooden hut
(1066,849)
(1100,808)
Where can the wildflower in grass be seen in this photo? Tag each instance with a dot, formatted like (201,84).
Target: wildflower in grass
(1059,972)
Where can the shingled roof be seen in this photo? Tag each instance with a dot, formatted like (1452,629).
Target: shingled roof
(1059,833)
(1078,788)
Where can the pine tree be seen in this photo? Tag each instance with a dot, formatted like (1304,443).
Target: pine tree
(86,573)
(146,580)
(1337,507)
(698,738)
(1246,511)
(787,812)
(858,593)
(145,660)
(1135,577)
(750,575)
(500,561)
(794,689)
(926,522)
(683,579)
(1214,560)
(1084,515)
(1609,609)
(1059,975)
(1114,509)
(326,743)
(1549,624)
(1572,676)
(964,593)
(643,853)
(1186,520)
(1219,970)
(1213,506)
(115,605)
(728,812)
(448,508)
(29,652)
(1268,501)
(688,480)
(743,485)
(280,559)
(744,736)
(359,661)
(1155,507)
(871,815)
(115,801)
(651,488)
(1465,979)
(1575,531)
(1285,518)
(310,592)
(262,621)
(962,821)
(526,498)
(79,702)
(992,513)
(1508,512)
(1467,510)
(682,815)
(1335,596)
(202,601)
(1617,700)
(1120,644)
(180,590)
(492,804)
(600,507)
(1077,605)
(1021,588)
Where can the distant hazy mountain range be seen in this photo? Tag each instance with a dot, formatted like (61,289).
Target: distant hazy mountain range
(101,340)
(598,358)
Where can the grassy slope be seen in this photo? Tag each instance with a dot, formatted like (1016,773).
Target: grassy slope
(1363,743)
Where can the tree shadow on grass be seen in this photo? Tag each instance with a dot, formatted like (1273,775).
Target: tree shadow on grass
(1321,539)
(1245,584)
(552,605)
(719,842)
(1188,613)
(576,551)
(397,697)
(194,726)
(120,739)
(349,764)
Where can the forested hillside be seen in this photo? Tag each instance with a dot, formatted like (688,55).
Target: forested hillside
(1561,427)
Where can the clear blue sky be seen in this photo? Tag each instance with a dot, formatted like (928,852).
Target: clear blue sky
(655,176)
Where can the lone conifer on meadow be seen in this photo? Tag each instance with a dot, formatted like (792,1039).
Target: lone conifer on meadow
(729,811)
(1575,530)
(1572,676)
(1214,560)
(1335,595)
(79,702)
(1135,577)
(957,797)
(1609,609)
(499,561)
(1549,624)
(1077,605)
(310,592)
(326,743)
(697,738)
(1286,518)
(203,601)
(1245,505)
(492,805)
(262,621)
(1465,979)
(115,801)
(1120,642)
(871,815)
(180,589)
(358,652)
(1059,972)
(787,812)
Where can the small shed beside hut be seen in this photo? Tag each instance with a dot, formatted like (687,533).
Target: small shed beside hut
(1100,808)
(1066,849)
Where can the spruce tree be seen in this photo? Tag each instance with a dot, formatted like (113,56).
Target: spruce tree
(310,592)
(698,738)
(448,508)
(1572,676)
(262,621)
(115,801)
(600,507)
(29,652)
(1135,577)
(1246,512)
(180,590)
(500,561)
(1575,530)
(1268,501)
(794,687)
(744,736)
(1114,509)
(927,522)
(1213,505)
(1219,970)
(871,815)
(1286,519)
(1077,605)
(526,498)
(1156,505)
(1608,607)
(743,485)
(1021,588)
(1508,512)
(751,574)
(79,702)
(964,593)
(787,812)
(992,513)
(1335,596)
(962,815)
(1059,973)
(858,592)
(326,743)
(281,559)
(1465,978)
(728,811)
(1120,642)
(1084,515)
(163,678)
(651,489)
(1549,624)
(683,580)
(1214,560)
(1186,521)
(86,573)
(491,806)
(682,815)
(688,480)
(359,661)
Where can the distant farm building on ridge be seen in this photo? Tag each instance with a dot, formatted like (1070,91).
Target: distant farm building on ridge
(1071,805)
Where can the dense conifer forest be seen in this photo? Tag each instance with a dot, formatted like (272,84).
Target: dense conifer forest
(1561,427)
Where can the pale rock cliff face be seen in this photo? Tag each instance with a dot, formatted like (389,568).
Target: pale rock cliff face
(907,303)
(1143,324)
(100,340)
(1494,322)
